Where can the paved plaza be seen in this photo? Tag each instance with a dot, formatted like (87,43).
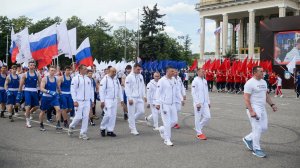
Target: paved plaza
(29,148)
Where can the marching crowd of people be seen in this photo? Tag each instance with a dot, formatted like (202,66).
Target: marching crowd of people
(72,96)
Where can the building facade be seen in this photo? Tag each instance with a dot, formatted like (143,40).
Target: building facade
(247,13)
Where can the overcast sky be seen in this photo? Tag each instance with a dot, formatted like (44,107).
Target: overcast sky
(181,17)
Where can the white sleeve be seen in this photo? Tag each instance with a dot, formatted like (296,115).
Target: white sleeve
(74,87)
(102,89)
(120,91)
(149,91)
(159,92)
(247,88)
(128,87)
(194,91)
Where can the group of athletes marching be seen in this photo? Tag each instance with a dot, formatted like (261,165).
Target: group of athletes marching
(165,97)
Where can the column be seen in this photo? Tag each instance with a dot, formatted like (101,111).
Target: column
(217,49)
(233,38)
(202,37)
(241,36)
(282,11)
(225,34)
(251,34)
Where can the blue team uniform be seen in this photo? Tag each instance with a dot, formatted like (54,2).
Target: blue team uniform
(13,87)
(2,91)
(30,91)
(49,101)
(66,101)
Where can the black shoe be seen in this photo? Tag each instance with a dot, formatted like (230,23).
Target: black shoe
(42,127)
(92,123)
(111,134)
(2,114)
(10,117)
(125,116)
(102,132)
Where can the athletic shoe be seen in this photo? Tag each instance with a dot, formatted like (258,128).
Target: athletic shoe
(275,96)
(125,116)
(58,127)
(148,122)
(30,117)
(111,134)
(42,128)
(92,123)
(248,144)
(161,132)
(2,114)
(16,114)
(49,121)
(134,132)
(202,137)
(84,137)
(71,118)
(70,131)
(156,128)
(168,142)
(102,133)
(259,153)
(10,117)
(176,126)
(281,96)
(28,123)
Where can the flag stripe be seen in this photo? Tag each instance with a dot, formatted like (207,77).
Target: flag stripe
(48,52)
(85,53)
(43,43)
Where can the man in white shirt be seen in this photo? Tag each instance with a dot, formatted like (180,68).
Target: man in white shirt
(201,103)
(256,97)
(135,91)
(179,99)
(151,90)
(295,52)
(110,90)
(82,92)
(166,94)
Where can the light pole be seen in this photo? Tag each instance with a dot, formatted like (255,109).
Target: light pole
(6,50)
(125,40)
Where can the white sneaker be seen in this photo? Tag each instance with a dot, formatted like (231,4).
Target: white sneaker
(281,96)
(16,114)
(83,136)
(71,118)
(156,128)
(161,132)
(30,117)
(148,122)
(134,132)
(28,123)
(168,142)
(275,96)
(70,131)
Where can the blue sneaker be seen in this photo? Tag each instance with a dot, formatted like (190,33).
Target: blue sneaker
(259,153)
(248,144)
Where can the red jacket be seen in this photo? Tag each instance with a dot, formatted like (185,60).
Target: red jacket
(209,76)
(272,79)
(219,77)
(230,78)
(237,78)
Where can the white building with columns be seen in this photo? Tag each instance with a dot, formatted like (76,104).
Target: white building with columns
(247,13)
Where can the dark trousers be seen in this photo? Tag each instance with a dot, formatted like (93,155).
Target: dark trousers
(298,91)
(94,108)
(237,87)
(185,83)
(210,85)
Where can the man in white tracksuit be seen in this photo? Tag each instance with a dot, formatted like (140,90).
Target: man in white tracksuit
(135,91)
(110,90)
(179,99)
(166,94)
(256,96)
(82,92)
(151,90)
(201,103)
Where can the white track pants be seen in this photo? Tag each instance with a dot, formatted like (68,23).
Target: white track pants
(167,113)
(135,111)
(109,120)
(258,126)
(153,116)
(201,117)
(82,113)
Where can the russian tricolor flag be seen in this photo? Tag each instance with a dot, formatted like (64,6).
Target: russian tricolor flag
(44,46)
(14,50)
(83,54)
